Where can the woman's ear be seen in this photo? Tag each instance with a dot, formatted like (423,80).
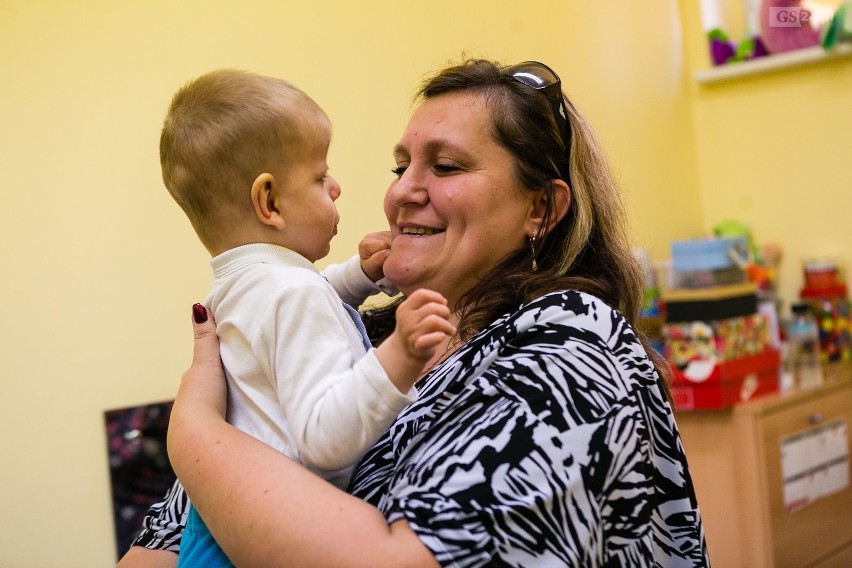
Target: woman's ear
(560,194)
(263,195)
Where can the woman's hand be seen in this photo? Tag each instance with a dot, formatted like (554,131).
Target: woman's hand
(203,384)
(203,391)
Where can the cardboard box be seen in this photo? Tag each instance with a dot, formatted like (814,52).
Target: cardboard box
(709,384)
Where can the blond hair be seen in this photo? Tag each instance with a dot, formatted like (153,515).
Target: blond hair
(221,131)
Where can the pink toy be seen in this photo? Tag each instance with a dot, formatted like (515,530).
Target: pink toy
(785,25)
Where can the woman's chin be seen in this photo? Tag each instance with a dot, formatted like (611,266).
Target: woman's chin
(401,279)
(403,275)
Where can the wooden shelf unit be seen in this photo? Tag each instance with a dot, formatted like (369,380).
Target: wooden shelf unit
(734,458)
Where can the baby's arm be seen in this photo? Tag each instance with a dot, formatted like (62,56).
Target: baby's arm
(350,281)
(362,275)
(335,404)
(422,325)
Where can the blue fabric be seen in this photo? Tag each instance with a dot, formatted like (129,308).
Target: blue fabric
(356,318)
(198,548)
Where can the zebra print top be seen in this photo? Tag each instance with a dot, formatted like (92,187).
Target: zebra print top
(545,441)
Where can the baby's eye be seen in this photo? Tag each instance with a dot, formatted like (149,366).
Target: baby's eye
(398,171)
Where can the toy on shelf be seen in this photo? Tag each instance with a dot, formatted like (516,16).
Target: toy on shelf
(723,50)
(839,28)
(760,264)
(825,292)
(785,25)
(712,341)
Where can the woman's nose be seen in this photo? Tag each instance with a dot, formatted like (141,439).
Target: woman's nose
(409,189)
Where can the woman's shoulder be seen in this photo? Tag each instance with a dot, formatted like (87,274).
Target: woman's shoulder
(577,326)
(570,308)
(567,325)
(574,299)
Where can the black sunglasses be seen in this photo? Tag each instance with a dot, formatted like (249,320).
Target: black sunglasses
(545,80)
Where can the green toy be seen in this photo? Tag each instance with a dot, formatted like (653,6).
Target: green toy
(839,28)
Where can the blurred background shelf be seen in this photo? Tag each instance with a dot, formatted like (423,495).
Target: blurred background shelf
(769,63)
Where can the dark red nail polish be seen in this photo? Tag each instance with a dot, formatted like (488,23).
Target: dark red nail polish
(199,314)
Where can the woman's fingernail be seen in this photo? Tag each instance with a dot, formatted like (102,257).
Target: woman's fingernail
(199,314)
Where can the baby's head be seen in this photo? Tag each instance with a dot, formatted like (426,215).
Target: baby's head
(231,144)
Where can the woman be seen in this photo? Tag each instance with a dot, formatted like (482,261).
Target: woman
(542,435)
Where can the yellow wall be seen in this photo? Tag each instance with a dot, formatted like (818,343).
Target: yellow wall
(99,266)
(773,151)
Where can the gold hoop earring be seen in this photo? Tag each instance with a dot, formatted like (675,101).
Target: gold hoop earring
(532,248)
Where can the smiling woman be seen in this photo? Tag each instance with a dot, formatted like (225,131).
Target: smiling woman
(542,434)
(457,209)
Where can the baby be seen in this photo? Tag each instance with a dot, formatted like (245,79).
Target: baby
(245,156)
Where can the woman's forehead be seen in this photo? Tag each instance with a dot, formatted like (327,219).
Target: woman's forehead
(455,121)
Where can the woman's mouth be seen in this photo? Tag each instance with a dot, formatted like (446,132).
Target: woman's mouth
(420,231)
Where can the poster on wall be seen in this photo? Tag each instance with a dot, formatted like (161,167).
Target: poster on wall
(140,472)
(814,464)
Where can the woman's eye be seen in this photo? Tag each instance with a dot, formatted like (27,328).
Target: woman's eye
(444,169)
(398,171)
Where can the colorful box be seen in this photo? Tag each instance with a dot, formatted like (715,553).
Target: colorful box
(707,384)
(720,340)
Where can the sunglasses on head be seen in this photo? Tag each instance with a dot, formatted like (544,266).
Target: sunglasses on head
(545,80)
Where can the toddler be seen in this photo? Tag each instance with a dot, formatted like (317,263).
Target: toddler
(245,156)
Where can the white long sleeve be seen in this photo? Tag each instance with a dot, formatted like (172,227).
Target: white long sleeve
(298,376)
(350,282)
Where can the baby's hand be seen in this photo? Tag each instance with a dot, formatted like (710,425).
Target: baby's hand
(422,326)
(422,323)
(373,250)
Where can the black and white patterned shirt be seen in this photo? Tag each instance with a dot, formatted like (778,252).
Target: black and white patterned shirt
(546,440)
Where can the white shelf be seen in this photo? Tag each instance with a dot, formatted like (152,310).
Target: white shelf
(768,63)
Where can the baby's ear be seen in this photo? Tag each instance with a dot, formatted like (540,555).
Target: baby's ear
(263,200)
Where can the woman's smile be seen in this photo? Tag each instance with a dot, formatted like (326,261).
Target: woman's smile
(420,231)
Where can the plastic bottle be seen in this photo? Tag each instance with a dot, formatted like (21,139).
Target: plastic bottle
(803,348)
